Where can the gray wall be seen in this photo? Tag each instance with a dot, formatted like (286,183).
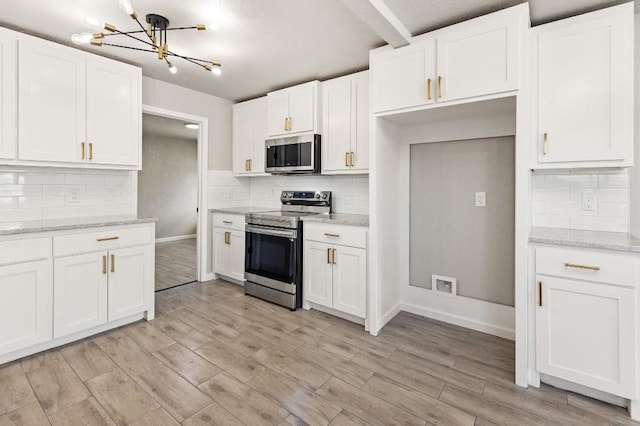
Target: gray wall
(168,184)
(218,110)
(452,237)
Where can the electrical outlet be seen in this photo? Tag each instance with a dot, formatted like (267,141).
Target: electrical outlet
(74,195)
(481,199)
(589,202)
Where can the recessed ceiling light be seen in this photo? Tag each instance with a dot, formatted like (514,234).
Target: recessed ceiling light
(192,126)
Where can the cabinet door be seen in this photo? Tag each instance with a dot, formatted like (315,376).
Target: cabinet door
(221,252)
(258,135)
(360,121)
(277,113)
(113,112)
(26,314)
(130,278)
(80,293)
(585,96)
(337,124)
(350,280)
(242,137)
(478,59)
(317,283)
(51,99)
(400,78)
(236,255)
(585,334)
(8,94)
(302,108)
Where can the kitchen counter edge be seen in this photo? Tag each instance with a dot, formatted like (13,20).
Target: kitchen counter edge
(618,241)
(51,225)
(339,219)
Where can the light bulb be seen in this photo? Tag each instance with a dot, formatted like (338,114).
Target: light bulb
(214,26)
(216,70)
(84,38)
(172,68)
(93,21)
(126,6)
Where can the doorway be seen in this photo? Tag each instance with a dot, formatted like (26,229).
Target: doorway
(172,188)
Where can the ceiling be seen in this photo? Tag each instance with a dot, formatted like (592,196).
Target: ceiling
(263,45)
(153,125)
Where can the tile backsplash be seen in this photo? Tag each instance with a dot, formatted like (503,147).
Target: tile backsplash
(557,198)
(350,192)
(31,193)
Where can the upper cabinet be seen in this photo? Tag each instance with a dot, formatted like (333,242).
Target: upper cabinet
(475,58)
(77,108)
(8,94)
(345,124)
(293,110)
(249,134)
(583,90)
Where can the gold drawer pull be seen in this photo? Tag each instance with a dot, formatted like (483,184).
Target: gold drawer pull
(545,143)
(346,159)
(329,256)
(331,235)
(428,88)
(108,239)
(228,222)
(113,263)
(573,265)
(90,150)
(104,264)
(439,86)
(539,293)
(333,256)
(83,150)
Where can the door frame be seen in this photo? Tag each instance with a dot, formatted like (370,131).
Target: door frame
(202,245)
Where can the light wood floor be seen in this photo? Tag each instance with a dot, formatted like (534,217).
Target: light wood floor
(176,263)
(215,356)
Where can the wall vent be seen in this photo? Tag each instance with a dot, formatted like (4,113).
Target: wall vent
(444,285)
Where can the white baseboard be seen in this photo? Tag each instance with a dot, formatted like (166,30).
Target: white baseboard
(178,238)
(336,313)
(583,390)
(385,318)
(474,322)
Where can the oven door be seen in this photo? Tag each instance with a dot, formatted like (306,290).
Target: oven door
(271,257)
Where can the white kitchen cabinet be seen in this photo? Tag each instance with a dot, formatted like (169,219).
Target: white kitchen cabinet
(80,293)
(249,134)
(293,110)
(228,245)
(476,58)
(583,108)
(345,135)
(77,108)
(586,318)
(8,94)
(335,267)
(25,305)
(130,273)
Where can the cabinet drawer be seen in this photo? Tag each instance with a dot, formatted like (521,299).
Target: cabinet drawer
(592,265)
(354,236)
(107,239)
(24,250)
(229,221)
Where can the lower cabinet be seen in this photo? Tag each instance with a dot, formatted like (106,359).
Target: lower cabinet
(586,330)
(335,275)
(25,305)
(228,246)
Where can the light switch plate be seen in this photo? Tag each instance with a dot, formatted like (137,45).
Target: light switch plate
(481,199)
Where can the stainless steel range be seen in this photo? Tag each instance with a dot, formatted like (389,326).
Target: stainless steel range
(273,258)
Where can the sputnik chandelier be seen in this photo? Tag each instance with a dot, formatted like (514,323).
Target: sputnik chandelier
(154,36)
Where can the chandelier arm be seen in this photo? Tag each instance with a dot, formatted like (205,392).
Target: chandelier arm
(144,31)
(170,53)
(135,38)
(128,47)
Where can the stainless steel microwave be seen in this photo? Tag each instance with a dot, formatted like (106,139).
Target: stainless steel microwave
(293,155)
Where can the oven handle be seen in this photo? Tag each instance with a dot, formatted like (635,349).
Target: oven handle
(270,231)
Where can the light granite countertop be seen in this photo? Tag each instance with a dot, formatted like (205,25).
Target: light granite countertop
(340,219)
(48,225)
(243,210)
(619,241)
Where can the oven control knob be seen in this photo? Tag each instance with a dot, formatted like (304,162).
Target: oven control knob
(324,196)
(318,196)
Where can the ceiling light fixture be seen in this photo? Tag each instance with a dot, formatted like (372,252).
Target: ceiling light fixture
(192,126)
(155,37)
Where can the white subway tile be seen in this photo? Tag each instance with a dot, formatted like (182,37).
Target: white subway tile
(612,195)
(40,178)
(566,208)
(18,215)
(538,207)
(117,179)
(7,178)
(63,190)
(83,179)
(39,202)
(20,190)
(8,203)
(613,210)
(571,181)
(61,212)
(610,224)
(620,180)
(551,194)
(538,181)
(551,221)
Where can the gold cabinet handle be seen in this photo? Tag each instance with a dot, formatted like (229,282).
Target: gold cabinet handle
(439,86)
(246,165)
(331,235)
(83,150)
(290,123)
(574,265)
(329,256)
(90,150)
(545,143)
(113,263)
(333,256)
(108,239)
(227,238)
(351,159)
(249,164)
(428,88)
(228,222)
(104,264)
(286,121)
(539,293)
(346,159)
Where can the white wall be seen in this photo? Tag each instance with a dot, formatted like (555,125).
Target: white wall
(634,198)
(33,193)
(218,110)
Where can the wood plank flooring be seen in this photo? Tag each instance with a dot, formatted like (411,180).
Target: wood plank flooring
(176,263)
(215,356)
